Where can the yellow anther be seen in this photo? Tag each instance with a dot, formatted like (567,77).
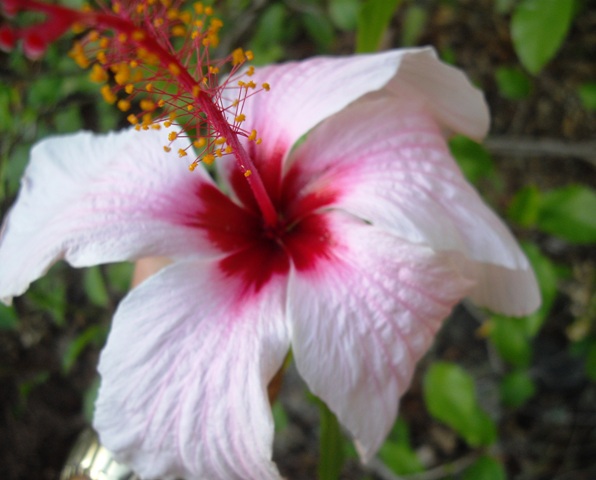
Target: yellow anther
(182,153)
(192,166)
(129,88)
(208,159)
(220,141)
(172,14)
(253,136)
(123,105)
(101,57)
(185,17)
(196,90)
(238,57)
(104,42)
(93,36)
(98,74)
(235,103)
(148,105)
(208,11)
(266,86)
(174,69)
(251,70)
(147,119)
(251,85)
(229,149)
(167,149)
(138,128)
(78,55)
(158,22)
(199,143)
(133,64)
(161,102)
(213,70)
(194,35)
(107,94)
(178,31)
(248,173)
(122,73)
(259,141)
(190,107)
(122,37)
(156,126)
(149,87)
(116,7)
(240,118)
(199,8)
(172,116)
(241,83)
(167,124)
(138,35)
(132,119)
(141,8)
(249,55)
(172,136)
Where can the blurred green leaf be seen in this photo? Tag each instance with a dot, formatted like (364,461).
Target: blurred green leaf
(511,340)
(320,30)
(548,276)
(373,20)
(587,94)
(93,335)
(414,23)
(512,83)
(280,418)
(538,28)
(8,318)
(344,13)
(268,38)
(119,276)
(49,294)
(485,468)
(517,388)
(474,160)
(591,361)
(331,452)
(450,397)
(397,454)
(504,6)
(525,206)
(569,213)
(95,287)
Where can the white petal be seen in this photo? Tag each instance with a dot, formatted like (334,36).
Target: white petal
(98,198)
(185,375)
(372,312)
(395,171)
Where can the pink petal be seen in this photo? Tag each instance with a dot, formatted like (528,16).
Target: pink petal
(305,93)
(185,375)
(93,199)
(395,171)
(372,311)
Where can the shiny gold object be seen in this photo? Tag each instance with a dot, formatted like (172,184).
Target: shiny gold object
(89,460)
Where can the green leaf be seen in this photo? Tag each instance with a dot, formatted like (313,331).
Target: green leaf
(569,213)
(373,20)
(331,452)
(587,94)
(450,397)
(517,388)
(95,287)
(320,30)
(268,39)
(474,160)
(511,340)
(538,28)
(512,83)
(280,418)
(397,454)
(591,361)
(548,278)
(525,206)
(8,318)
(485,468)
(344,13)
(415,21)
(93,335)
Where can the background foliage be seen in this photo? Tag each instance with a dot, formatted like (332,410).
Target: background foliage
(496,397)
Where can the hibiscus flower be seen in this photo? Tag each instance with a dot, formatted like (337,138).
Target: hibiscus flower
(377,236)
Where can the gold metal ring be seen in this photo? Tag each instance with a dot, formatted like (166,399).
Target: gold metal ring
(90,460)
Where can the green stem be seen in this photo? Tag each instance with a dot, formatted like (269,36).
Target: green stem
(331,457)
